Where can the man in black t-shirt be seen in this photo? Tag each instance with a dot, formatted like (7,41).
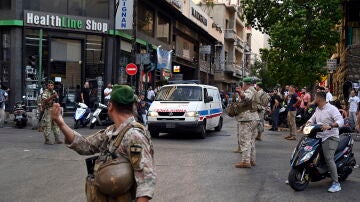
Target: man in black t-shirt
(275,105)
(293,101)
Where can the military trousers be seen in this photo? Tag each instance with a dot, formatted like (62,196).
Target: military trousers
(247,133)
(49,125)
(261,122)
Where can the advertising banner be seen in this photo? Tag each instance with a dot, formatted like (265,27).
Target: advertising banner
(164,59)
(124,14)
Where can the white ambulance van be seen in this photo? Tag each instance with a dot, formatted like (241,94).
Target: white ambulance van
(190,108)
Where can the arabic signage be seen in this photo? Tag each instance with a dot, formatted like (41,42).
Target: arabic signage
(67,22)
(124,14)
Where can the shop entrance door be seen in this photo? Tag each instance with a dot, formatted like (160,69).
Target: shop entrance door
(66,69)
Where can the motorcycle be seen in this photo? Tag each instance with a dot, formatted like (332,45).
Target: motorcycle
(100,117)
(82,115)
(308,163)
(20,116)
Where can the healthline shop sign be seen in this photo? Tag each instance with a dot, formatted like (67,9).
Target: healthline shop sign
(68,22)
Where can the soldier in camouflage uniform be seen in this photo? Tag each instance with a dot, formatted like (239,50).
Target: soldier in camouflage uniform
(48,98)
(136,145)
(260,109)
(248,122)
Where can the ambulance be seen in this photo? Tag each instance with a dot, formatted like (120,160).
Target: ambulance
(193,108)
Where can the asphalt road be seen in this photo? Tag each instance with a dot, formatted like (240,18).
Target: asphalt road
(189,169)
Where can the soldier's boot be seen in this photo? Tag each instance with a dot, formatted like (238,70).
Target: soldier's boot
(252,163)
(47,141)
(243,164)
(258,137)
(57,140)
(237,150)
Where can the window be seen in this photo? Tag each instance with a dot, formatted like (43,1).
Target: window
(94,51)
(4,56)
(5,4)
(90,8)
(180,93)
(184,48)
(145,20)
(163,29)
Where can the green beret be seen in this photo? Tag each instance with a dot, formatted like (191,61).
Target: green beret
(50,82)
(247,80)
(122,94)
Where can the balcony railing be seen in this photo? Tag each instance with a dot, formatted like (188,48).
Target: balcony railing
(230,34)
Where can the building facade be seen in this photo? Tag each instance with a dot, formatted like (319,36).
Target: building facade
(73,41)
(236,53)
(347,74)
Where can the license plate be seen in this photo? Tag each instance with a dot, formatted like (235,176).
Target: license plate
(170,125)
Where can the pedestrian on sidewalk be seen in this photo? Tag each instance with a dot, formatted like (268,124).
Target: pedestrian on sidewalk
(353,107)
(248,122)
(3,99)
(49,97)
(293,101)
(107,93)
(275,105)
(125,168)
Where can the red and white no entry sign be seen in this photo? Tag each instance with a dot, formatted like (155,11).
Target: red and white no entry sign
(131,69)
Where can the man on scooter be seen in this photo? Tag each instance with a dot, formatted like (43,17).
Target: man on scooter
(330,118)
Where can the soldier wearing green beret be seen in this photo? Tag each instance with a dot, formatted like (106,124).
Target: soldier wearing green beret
(48,98)
(126,144)
(262,100)
(247,122)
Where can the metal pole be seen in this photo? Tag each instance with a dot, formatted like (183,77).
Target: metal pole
(40,73)
(133,51)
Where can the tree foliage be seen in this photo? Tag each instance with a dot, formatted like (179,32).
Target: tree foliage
(303,36)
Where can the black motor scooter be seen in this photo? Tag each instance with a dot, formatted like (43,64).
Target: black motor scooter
(308,163)
(100,117)
(20,116)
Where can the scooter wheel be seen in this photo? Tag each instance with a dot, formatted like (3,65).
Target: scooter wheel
(92,126)
(76,124)
(295,180)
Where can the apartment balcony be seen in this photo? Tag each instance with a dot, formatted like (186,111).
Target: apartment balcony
(230,34)
(239,44)
(229,66)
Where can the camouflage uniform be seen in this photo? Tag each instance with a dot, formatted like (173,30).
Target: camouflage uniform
(261,113)
(144,169)
(248,122)
(47,122)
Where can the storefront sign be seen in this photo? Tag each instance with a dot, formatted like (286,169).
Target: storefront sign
(205,49)
(198,16)
(176,68)
(77,23)
(164,59)
(124,14)
(165,74)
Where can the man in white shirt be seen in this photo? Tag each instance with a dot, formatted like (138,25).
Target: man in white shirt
(353,107)
(150,94)
(329,97)
(330,118)
(107,92)
(3,98)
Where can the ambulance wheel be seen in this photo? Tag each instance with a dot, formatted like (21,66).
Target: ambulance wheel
(220,125)
(202,133)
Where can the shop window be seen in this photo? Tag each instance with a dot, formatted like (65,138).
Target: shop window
(97,8)
(163,29)
(185,48)
(4,57)
(5,4)
(145,20)
(94,51)
(355,36)
(76,7)
(54,6)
